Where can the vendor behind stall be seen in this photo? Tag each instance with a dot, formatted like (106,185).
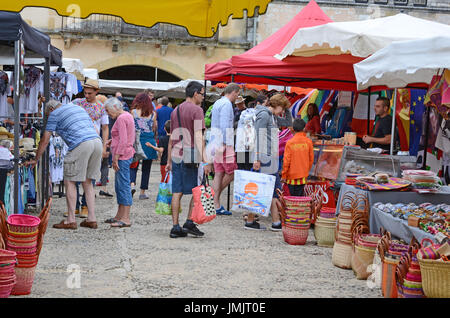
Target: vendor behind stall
(381,134)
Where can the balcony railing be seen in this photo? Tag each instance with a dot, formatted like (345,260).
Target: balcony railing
(104,25)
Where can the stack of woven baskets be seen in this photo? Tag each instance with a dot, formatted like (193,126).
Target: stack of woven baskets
(295,218)
(351,204)
(325,226)
(364,243)
(390,252)
(7,273)
(24,236)
(408,275)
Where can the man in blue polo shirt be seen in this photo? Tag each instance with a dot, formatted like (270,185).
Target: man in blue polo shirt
(163,115)
(83,160)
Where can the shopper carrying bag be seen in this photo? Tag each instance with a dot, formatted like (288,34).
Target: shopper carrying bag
(204,210)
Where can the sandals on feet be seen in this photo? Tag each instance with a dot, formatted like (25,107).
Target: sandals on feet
(120,224)
(111,220)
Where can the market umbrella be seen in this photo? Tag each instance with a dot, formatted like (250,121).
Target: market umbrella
(404,62)
(200,17)
(259,66)
(360,38)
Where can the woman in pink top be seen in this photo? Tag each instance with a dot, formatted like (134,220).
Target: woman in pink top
(123,136)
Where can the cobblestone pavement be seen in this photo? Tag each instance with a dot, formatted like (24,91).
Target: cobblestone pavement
(142,261)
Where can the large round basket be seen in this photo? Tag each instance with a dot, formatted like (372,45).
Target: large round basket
(342,255)
(295,236)
(435,277)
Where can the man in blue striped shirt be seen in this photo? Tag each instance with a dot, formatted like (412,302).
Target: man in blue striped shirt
(83,160)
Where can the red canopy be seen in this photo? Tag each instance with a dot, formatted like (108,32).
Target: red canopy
(258,65)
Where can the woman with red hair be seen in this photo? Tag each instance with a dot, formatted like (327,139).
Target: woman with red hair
(145,121)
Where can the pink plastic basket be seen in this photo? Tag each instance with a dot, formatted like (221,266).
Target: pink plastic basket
(23,223)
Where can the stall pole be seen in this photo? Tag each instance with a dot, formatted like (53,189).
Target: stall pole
(393,123)
(45,157)
(427,128)
(17,64)
(368,114)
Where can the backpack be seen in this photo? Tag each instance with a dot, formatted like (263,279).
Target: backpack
(208,116)
(246,132)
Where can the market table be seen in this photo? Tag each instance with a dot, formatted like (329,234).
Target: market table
(399,228)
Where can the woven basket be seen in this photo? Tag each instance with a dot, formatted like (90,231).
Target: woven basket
(342,255)
(362,257)
(435,277)
(295,236)
(388,281)
(23,223)
(25,278)
(324,234)
(5,290)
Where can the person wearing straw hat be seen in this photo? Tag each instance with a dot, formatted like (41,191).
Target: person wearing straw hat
(99,117)
(83,160)
(240,107)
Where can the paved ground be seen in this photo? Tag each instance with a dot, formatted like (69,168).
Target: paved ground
(142,261)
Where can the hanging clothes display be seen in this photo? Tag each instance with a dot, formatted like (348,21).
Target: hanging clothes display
(63,87)
(57,151)
(33,86)
(6,109)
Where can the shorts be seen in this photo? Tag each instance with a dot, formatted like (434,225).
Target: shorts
(268,167)
(225,161)
(84,162)
(122,183)
(183,179)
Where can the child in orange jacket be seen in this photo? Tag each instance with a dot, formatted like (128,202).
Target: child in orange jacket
(298,159)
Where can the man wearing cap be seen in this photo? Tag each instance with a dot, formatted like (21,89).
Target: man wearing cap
(240,107)
(83,160)
(99,117)
(222,141)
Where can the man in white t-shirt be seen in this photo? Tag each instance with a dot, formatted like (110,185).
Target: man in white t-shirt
(97,113)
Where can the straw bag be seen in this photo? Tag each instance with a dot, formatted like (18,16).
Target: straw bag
(324,232)
(435,274)
(295,227)
(342,255)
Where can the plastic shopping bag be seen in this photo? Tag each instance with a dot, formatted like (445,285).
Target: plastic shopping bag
(253,192)
(203,210)
(164,198)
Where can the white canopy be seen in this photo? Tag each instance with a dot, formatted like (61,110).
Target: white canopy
(360,38)
(169,89)
(405,62)
(91,73)
(74,66)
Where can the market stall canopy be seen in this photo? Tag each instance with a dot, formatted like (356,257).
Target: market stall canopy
(91,73)
(37,44)
(200,17)
(169,89)
(74,66)
(259,66)
(404,62)
(360,38)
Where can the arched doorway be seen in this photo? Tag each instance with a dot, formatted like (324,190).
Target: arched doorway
(138,73)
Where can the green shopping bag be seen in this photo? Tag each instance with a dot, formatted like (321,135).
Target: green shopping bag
(164,198)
